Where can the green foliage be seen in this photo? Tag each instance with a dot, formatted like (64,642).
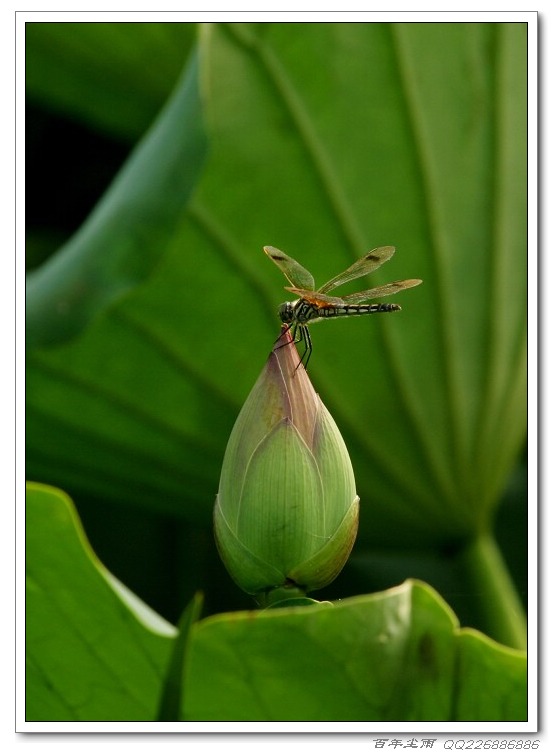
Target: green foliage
(147,330)
(102,73)
(123,238)
(95,652)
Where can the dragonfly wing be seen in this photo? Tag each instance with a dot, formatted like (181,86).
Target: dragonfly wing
(364,266)
(315,297)
(296,274)
(375,293)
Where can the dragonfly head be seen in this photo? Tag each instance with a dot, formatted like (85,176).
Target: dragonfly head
(286,312)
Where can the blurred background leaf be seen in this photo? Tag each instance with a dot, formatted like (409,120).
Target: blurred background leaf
(92,91)
(124,237)
(325,140)
(113,77)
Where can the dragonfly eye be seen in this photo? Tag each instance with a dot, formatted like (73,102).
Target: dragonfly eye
(286,312)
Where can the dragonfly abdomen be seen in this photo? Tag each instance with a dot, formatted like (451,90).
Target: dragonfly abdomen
(349,310)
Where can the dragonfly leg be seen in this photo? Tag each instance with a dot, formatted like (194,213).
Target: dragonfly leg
(306,338)
(283,333)
(300,334)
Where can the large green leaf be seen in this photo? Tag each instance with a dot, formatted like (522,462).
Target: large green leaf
(94,651)
(325,140)
(97,653)
(393,656)
(326,154)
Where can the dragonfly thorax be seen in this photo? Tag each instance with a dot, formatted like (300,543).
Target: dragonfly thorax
(301,311)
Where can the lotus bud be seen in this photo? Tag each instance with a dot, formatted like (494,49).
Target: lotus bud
(286,514)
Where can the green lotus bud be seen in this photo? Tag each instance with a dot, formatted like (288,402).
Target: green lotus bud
(287,512)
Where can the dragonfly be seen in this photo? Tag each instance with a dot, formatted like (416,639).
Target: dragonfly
(315,304)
